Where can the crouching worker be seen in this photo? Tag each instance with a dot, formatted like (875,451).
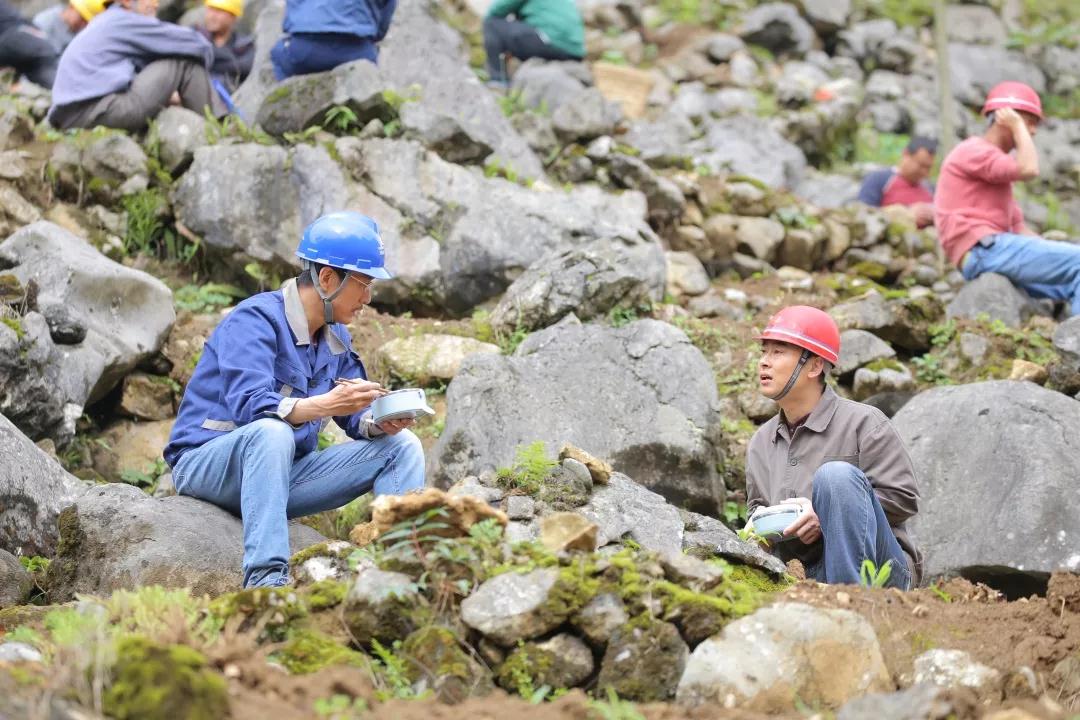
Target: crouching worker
(276,369)
(127,66)
(840,460)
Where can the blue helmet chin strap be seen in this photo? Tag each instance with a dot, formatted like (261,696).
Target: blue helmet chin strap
(328,308)
(794,376)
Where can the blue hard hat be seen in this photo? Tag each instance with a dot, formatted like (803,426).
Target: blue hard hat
(346,240)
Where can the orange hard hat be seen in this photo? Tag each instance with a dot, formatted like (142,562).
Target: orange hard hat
(1015,95)
(805,327)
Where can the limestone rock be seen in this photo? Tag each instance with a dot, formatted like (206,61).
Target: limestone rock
(304,100)
(34,488)
(902,322)
(599,620)
(421,358)
(1067,342)
(564,531)
(1025,370)
(783,653)
(1002,450)
(15,582)
(380,606)
(995,297)
(438,661)
(657,422)
(643,663)
(778,27)
(859,348)
(511,607)
(955,668)
(624,508)
(886,380)
(146,397)
(177,132)
(706,536)
(918,702)
(599,470)
(462,512)
(564,661)
(117,537)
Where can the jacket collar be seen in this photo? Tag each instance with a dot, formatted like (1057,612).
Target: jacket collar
(820,416)
(297,319)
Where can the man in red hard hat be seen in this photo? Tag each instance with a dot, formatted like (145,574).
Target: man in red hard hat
(840,460)
(980,226)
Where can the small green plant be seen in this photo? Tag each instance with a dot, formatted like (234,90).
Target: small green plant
(391,674)
(266,278)
(144,226)
(747,534)
(341,119)
(34,564)
(207,298)
(872,576)
(734,513)
(613,708)
(941,593)
(941,334)
(231,126)
(531,467)
(512,103)
(929,369)
(620,316)
(341,707)
(15,324)
(147,478)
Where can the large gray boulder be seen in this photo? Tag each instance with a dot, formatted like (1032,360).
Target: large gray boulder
(422,51)
(125,314)
(992,296)
(641,396)
(978,449)
(255,200)
(774,658)
(117,537)
(33,491)
(587,281)
(744,145)
(977,68)
(454,238)
(304,100)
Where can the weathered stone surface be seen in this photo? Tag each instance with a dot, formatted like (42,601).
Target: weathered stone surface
(460,512)
(827,16)
(657,421)
(176,133)
(859,348)
(995,297)
(599,620)
(744,145)
(665,199)
(599,470)
(564,661)
(257,199)
(437,660)
(977,68)
(564,531)
(1067,342)
(117,537)
(902,322)
(1003,449)
(706,535)
(919,702)
(587,281)
(643,663)
(146,397)
(522,507)
(15,582)
(955,668)
(624,508)
(380,606)
(869,382)
(784,653)
(127,315)
(304,100)
(975,24)
(108,166)
(778,27)
(510,607)
(130,445)
(421,358)
(546,86)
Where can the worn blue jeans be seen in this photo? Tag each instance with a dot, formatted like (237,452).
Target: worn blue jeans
(1044,268)
(853,528)
(251,472)
(305,53)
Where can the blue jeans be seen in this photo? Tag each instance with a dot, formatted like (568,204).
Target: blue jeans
(251,472)
(853,528)
(1044,268)
(305,53)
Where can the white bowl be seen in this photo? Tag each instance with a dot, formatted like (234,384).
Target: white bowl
(406,403)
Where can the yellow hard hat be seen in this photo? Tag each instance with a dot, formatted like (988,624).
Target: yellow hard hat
(88,8)
(234,7)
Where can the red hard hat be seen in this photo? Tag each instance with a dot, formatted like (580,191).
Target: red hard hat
(1015,95)
(805,327)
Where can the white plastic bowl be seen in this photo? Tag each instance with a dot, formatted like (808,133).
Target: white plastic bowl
(406,403)
(773,520)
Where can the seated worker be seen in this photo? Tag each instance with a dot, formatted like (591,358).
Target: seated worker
(906,183)
(124,68)
(980,226)
(234,54)
(546,29)
(842,461)
(246,433)
(322,34)
(25,48)
(61,23)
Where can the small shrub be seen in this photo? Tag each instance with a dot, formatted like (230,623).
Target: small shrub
(531,467)
(872,576)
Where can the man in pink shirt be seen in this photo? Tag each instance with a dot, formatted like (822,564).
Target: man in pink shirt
(980,226)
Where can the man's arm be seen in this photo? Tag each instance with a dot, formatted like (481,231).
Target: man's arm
(873,187)
(885,460)
(150,36)
(1027,157)
(246,346)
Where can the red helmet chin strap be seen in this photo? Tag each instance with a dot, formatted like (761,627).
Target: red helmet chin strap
(794,376)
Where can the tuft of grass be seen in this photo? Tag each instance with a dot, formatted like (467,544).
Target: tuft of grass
(531,467)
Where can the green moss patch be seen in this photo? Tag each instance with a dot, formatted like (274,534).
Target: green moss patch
(163,682)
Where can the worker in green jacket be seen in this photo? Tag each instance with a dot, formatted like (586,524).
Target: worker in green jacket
(548,29)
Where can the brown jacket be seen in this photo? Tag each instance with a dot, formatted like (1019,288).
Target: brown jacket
(779,466)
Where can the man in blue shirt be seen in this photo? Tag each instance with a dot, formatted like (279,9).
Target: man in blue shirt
(126,67)
(322,34)
(274,372)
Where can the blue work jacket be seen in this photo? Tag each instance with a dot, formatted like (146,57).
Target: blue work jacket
(257,364)
(363,18)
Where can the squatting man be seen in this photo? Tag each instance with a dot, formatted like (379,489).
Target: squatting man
(277,368)
(841,462)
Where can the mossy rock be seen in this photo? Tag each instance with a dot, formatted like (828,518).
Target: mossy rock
(436,659)
(30,615)
(383,606)
(280,605)
(308,651)
(163,682)
(324,594)
(643,662)
(869,269)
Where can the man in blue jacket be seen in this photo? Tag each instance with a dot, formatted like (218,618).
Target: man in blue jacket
(274,372)
(125,68)
(322,34)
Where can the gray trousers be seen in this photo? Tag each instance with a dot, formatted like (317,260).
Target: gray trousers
(147,95)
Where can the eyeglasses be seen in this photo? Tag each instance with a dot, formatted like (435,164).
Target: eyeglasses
(366,285)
